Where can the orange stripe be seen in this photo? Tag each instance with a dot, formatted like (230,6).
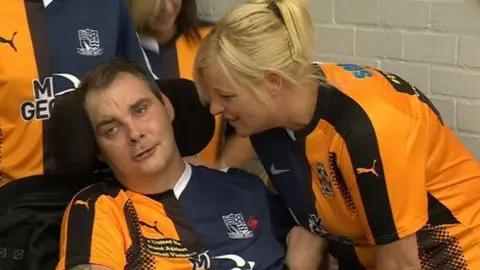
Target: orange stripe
(21,152)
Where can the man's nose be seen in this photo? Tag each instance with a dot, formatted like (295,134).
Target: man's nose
(216,108)
(135,134)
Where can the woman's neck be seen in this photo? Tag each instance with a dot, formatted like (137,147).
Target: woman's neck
(301,105)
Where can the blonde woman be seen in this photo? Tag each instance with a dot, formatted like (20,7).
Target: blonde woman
(361,157)
(170,32)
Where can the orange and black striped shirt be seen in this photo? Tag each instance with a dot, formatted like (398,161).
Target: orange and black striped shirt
(376,164)
(45,48)
(210,220)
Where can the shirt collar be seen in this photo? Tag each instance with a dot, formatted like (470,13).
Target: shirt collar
(46,3)
(183,181)
(148,43)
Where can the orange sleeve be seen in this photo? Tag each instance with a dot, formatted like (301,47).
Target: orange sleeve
(90,235)
(386,153)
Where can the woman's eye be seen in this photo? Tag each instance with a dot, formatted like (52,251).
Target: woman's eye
(226,97)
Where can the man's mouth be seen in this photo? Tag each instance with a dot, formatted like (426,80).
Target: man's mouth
(144,154)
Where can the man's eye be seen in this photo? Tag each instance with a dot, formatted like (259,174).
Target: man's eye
(111,131)
(140,110)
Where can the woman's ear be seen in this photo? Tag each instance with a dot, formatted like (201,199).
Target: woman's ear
(274,81)
(168,107)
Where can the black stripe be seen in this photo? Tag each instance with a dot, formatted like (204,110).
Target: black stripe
(39,37)
(184,228)
(438,213)
(356,129)
(405,87)
(137,255)
(81,221)
(169,59)
(310,196)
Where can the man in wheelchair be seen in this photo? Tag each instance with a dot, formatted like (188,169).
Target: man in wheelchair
(31,208)
(159,212)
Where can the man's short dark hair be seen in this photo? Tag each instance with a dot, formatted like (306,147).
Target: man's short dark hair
(105,74)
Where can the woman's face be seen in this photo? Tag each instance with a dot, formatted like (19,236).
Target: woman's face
(243,109)
(165,15)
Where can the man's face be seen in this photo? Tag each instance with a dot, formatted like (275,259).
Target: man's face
(132,127)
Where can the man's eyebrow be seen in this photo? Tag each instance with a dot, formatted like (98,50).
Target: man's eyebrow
(104,122)
(139,102)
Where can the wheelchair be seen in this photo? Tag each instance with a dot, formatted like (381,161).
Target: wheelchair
(31,212)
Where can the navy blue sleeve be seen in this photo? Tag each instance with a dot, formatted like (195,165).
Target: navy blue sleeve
(129,44)
(282,220)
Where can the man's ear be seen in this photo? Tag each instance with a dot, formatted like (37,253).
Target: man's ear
(274,81)
(168,107)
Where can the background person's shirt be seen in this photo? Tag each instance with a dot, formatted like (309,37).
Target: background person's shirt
(210,220)
(45,49)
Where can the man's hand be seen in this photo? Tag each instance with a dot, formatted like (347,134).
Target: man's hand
(305,251)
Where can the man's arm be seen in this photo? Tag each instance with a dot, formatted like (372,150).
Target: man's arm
(305,251)
(401,254)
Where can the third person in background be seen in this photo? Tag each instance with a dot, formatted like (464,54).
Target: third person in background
(170,32)
(360,156)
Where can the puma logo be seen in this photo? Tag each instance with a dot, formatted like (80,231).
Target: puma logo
(153,227)
(371,170)
(10,41)
(84,203)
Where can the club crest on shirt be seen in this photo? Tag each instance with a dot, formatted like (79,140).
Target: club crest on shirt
(89,42)
(237,227)
(326,185)
(318,227)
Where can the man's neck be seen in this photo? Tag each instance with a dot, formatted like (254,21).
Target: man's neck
(160,182)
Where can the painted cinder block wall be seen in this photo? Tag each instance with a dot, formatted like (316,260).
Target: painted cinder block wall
(434,44)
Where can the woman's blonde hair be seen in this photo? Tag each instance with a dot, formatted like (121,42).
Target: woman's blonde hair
(256,37)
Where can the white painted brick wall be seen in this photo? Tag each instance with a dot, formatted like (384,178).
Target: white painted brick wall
(435,44)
